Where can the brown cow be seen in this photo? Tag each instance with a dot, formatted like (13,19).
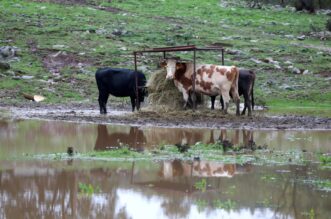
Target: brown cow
(211,80)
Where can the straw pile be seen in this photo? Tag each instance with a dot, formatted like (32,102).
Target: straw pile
(163,95)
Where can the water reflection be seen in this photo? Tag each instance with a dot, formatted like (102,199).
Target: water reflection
(144,190)
(36,137)
(178,168)
(107,140)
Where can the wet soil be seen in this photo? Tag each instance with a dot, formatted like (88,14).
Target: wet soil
(122,115)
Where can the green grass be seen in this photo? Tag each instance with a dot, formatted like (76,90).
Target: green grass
(88,35)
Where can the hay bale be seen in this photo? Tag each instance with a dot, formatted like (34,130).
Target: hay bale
(163,95)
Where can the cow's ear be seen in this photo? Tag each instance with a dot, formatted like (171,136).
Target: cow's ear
(179,65)
(163,63)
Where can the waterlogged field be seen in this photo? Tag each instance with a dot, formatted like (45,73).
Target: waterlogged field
(275,164)
(60,169)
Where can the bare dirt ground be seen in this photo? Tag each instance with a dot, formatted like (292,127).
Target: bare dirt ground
(122,115)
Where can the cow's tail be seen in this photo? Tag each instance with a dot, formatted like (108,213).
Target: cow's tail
(235,71)
(234,88)
(252,91)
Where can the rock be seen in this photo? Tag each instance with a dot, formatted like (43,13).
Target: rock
(59,47)
(289,36)
(294,70)
(6,52)
(36,98)
(232,51)
(256,61)
(27,77)
(302,37)
(117,32)
(287,87)
(277,66)
(306,72)
(4,66)
(101,31)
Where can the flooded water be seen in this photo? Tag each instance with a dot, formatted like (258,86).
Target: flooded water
(163,189)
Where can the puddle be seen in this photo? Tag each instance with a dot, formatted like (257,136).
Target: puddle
(158,190)
(163,189)
(39,137)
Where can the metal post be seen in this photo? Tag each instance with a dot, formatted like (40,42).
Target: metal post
(136,80)
(222,56)
(193,82)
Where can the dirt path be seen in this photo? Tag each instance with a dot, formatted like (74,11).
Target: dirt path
(201,119)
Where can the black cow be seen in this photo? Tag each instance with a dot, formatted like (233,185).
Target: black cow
(119,83)
(245,87)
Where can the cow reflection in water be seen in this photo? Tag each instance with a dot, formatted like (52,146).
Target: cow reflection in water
(106,140)
(229,141)
(177,168)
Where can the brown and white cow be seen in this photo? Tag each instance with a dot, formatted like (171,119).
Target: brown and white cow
(210,80)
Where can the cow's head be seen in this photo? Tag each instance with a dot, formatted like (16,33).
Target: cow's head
(142,92)
(170,66)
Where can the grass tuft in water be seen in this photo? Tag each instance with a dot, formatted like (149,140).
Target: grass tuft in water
(88,189)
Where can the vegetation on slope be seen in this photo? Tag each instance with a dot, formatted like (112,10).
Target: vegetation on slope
(61,43)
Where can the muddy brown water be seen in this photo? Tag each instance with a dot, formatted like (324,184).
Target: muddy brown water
(150,189)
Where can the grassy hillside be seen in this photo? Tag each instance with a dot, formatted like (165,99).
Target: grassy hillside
(61,44)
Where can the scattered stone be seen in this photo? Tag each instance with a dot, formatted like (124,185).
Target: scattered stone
(233,52)
(117,32)
(287,87)
(289,36)
(4,66)
(302,37)
(256,61)
(277,66)
(27,77)
(306,72)
(6,52)
(294,70)
(101,31)
(36,98)
(59,47)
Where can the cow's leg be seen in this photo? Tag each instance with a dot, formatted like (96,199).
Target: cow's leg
(212,99)
(226,99)
(186,98)
(222,102)
(236,99)
(246,99)
(248,102)
(133,102)
(103,98)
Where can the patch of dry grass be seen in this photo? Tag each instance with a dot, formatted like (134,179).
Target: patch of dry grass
(163,95)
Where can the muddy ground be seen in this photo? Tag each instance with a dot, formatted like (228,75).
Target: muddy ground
(122,115)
